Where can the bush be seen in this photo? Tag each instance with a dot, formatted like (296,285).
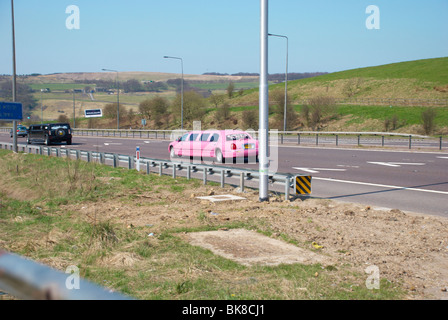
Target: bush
(428,117)
(250,119)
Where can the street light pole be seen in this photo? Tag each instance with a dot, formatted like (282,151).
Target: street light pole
(181,89)
(14,90)
(118,98)
(263,105)
(286,78)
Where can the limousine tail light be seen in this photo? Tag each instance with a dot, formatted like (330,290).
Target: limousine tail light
(233,146)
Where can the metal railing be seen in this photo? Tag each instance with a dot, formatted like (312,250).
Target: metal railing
(306,138)
(166,167)
(318,138)
(29,280)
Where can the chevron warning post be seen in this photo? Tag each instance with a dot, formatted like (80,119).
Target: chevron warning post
(302,184)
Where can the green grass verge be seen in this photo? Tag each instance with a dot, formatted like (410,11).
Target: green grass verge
(38,220)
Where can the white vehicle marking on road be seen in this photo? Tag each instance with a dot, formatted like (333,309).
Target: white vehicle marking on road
(112,143)
(396,164)
(316,170)
(381,185)
(346,166)
(442,157)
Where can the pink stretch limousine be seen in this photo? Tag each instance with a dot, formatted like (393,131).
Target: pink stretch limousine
(217,144)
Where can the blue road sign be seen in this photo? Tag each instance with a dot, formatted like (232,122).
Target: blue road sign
(11,111)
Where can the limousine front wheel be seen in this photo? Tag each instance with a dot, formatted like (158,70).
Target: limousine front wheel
(172,154)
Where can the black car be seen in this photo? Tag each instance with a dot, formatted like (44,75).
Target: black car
(50,133)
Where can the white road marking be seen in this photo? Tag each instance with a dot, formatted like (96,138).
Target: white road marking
(381,185)
(112,143)
(316,170)
(442,157)
(396,164)
(346,166)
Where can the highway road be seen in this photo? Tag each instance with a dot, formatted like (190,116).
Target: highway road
(406,180)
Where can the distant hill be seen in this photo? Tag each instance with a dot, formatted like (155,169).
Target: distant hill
(420,79)
(431,70)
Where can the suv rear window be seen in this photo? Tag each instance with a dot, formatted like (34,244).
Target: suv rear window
(59,126)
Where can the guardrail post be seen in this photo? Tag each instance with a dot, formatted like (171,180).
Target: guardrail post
(287,186)
(148,169)
(382,141)
(440,143)
(298,138)
(130,162)
(410,141)
(359,139)
(281,138)
(189,173)
(222,178)
(160,168)
(242,182)
(174,171)
(337,138)
(204,177)
(317,139)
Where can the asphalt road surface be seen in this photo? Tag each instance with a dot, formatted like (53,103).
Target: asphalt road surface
(406,180)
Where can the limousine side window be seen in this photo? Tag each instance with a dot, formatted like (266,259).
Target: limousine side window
(214,137)
(205,136)
(193,137)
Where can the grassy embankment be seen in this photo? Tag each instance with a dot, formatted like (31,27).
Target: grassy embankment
(49,212)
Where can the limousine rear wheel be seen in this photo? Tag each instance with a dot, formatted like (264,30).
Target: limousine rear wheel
(218,156)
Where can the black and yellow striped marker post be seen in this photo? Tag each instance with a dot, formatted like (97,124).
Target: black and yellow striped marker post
(303,185)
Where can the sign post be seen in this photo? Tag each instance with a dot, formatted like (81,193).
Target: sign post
(137,156)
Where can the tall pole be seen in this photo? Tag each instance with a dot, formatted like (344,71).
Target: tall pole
(286,79)
(181,90)
(118,98)
(14,90)
(74,114)
(263,104)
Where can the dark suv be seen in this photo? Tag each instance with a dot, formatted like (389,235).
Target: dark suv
(49,133)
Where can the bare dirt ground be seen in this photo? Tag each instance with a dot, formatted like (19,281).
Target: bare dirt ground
(410,249)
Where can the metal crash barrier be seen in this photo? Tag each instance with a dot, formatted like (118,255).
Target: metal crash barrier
(29,280)
(160,166)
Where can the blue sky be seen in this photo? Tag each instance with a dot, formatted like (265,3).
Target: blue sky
(218,36)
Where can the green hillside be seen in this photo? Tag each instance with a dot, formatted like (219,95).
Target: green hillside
(421,79)
(430,70)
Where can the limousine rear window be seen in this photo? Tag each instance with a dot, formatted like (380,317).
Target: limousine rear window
(237,136)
